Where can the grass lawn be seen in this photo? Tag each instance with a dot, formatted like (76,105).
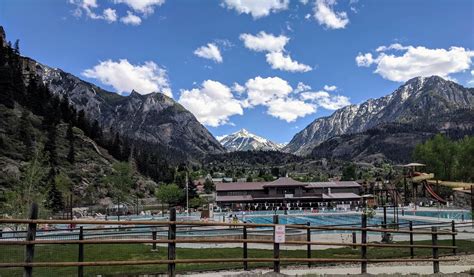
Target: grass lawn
(105,252)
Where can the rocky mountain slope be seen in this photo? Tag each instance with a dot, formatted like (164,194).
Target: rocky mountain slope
(153,118)
(419,99)
(394,141)
(243,140)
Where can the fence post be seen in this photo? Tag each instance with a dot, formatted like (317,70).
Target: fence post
(363,249)
(276,247)
(30,236)
(412,250)
(453,229)
(172,245)
(153,237)
(308,239)
(354,239)
(246,264)
(384,224)
(434,240)
(80,257)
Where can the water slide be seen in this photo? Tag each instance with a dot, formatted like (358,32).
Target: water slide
(430,190)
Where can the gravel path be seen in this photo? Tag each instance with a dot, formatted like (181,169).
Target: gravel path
(465,263)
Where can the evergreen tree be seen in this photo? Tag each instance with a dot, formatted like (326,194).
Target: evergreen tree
(54,200)
(26,134)
(349,172)
(209,186)
(70,137)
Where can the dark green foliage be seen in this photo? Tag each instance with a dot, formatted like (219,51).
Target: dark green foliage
(448,159)
(54,200)
(209,186)
(70,137)
(349,173)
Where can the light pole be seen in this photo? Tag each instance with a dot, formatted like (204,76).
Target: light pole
(187,194)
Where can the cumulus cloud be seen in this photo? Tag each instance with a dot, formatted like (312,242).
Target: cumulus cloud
(289,109)
(87,7)
(125,77)
(262,90)
(263,42)
(131,19)
(238,88)
(284,62)
(209,51)
(275,46)
(302,87)
(256,8)
(325,100)
(145,7)
(330,88)
(325,15)
(406,62)
(212,104)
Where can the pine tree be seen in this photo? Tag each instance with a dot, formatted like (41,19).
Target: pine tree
(70,137)
(54,200)
(26,134)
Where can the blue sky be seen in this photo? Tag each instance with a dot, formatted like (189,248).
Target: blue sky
(198,50)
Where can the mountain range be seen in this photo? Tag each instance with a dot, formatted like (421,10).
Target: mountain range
(154,117)
(418,101)
(243,140)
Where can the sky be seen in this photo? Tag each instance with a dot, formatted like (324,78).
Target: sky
(269,66)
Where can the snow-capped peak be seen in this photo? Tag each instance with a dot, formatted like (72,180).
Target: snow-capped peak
(243,140)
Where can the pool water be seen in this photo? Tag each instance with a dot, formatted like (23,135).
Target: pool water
(322,220)
(457,215)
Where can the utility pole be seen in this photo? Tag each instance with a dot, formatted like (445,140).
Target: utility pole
(187,194)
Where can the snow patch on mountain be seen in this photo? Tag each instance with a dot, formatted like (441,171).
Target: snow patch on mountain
(243,140)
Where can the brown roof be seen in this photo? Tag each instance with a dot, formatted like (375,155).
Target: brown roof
(240,186)
(338,184)
(285,182)
(342,195)
(227,198)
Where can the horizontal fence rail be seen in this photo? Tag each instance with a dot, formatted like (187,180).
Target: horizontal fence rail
(168,230)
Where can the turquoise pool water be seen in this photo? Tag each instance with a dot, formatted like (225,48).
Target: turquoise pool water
(457,215)
(323,220)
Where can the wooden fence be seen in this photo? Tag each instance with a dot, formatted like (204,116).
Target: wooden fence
(172,240)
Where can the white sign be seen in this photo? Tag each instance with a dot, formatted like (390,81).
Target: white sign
(280,233)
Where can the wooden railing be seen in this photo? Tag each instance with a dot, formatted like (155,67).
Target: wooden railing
(171,225)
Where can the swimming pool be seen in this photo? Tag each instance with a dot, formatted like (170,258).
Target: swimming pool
(323,219)
(457,215)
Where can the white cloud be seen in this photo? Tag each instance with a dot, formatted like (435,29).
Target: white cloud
(131,19)
(264,42)
(284,62)
(275,46)
(417,61)
(302,87)
(125,77)
(262,90)
(325,15)
(330,88)
(110,15)
(209,51)
(88,6)
(364,60)
(145,7)
(212,104)
(238,88)
(256,8)
(289,109)
(325,100)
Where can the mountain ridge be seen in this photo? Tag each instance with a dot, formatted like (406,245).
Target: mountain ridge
(419,98)
(153,117)
(243,140)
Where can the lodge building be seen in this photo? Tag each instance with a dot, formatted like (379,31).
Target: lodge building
(286,193)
